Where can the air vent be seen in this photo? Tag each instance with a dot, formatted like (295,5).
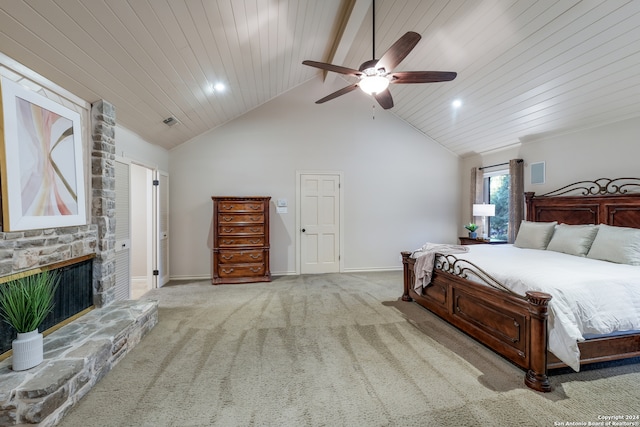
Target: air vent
(170,121)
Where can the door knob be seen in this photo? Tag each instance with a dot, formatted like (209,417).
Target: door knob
(303,230)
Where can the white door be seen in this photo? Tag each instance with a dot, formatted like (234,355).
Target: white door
(319,225)
(161,245)
(123,230)
(142,231)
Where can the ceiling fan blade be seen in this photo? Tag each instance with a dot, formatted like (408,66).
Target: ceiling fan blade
(422,76)
(334,68)
(337,93)
(384,99)
(398,51)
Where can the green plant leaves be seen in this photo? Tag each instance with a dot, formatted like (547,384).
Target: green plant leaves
(26,301)
(471,227)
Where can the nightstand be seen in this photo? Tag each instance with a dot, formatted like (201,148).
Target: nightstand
(480,241)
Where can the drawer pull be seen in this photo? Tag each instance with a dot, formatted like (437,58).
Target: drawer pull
(228,242)
(255,241)
(255,207)
(254,229)
(256,218)
(227,257)
(227,218)
(252,256)
(227,207)
(227,271)
(254,269)
(227,230)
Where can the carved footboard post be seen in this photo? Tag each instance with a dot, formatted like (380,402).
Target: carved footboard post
(407,265)
(536,377)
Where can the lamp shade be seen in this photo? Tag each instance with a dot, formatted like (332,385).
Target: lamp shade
(484,210)
(373,84)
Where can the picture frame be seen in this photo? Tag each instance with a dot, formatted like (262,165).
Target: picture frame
(41,161)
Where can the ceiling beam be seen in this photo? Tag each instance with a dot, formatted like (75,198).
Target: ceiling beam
(350,20)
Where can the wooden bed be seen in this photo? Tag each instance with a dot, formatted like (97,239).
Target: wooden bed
(515,326)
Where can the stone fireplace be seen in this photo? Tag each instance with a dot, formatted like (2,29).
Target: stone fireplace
(83,351)
(73,296)
(26,250)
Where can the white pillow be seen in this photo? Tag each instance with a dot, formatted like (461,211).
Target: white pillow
(572,239)
(534,235)
(616,244)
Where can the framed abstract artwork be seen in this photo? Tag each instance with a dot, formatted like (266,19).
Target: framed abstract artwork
(41,160)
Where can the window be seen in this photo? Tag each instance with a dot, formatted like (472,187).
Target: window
(496,192)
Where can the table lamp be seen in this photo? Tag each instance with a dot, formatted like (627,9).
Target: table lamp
(484,210)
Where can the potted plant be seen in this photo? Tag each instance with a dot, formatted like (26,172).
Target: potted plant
(24,303)
(472,230)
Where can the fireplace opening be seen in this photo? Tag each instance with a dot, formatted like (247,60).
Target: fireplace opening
(73,297)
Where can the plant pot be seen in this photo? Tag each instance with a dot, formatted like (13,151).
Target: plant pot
(27,350)
(473,234)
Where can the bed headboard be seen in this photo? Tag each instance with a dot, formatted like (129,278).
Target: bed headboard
(603,201)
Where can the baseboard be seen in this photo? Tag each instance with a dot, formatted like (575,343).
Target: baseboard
(372,269)
(283,273)
(194,278)
(293,273)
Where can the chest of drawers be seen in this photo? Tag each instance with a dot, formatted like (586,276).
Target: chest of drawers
(240,240)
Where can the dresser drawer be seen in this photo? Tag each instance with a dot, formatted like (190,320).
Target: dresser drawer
(257,229)
(240,270)
(236,257)
(240,240)
(233,218)
(234,241)
(240,206)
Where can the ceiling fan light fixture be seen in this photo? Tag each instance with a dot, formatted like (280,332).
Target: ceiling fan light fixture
(373,84)
(376,74)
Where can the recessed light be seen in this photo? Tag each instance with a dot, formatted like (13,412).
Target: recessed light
(213,88)
(456,103)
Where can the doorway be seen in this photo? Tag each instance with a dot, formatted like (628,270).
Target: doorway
(142,235)
(141,230)
(319,219)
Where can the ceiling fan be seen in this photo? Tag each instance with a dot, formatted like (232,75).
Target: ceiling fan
(375,75)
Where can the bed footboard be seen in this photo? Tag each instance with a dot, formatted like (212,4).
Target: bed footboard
(513,326)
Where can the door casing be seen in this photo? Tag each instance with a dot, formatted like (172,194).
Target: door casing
(298,232)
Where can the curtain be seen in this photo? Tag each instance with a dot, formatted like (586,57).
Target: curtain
(477,190)
(516,197)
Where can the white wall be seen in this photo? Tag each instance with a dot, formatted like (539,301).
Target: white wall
(609,151)
(131,146)
(400,188)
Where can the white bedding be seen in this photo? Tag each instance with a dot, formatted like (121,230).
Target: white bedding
(589,296)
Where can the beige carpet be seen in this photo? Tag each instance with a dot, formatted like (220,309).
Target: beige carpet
(329,350)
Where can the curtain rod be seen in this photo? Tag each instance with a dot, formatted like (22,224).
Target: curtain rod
(499,164)
(493,166)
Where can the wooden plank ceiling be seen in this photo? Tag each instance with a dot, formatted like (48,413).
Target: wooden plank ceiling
(525,68)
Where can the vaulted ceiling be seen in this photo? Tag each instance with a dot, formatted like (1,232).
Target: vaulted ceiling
(525,68)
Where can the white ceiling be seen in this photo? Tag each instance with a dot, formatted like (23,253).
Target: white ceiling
(525,67)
